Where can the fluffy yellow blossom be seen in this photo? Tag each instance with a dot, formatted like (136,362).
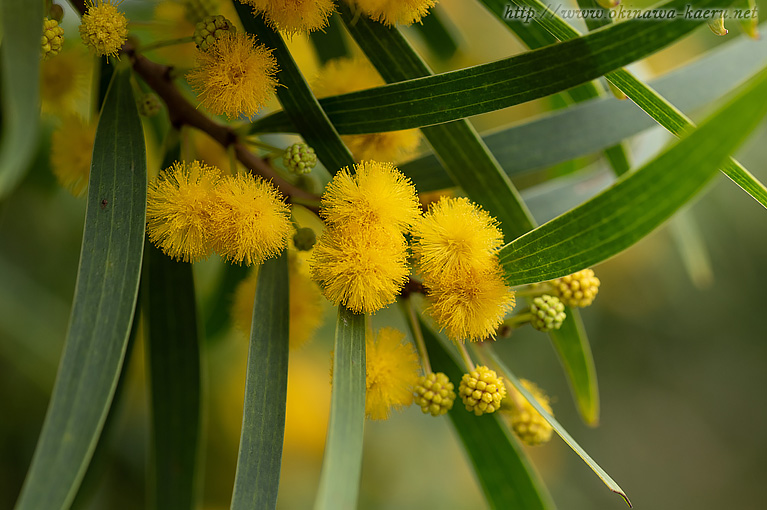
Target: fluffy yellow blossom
(344,75)
(391,373)
(235,76)
(376,194)
(305,306)
(64,81)
(71,151)
(529,425)
(294,16)
(471,306)
(391,12)
(249,221)
(103,28)
(362,269)
(178,210)
(453,237)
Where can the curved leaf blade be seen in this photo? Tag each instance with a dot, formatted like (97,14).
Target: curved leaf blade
(342,463)
(20,76)
(639,202)
(506,476)
(266,389)
(104,303)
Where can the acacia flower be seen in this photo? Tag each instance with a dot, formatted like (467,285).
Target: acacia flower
(472,305)
(52,38)
(71,151)
(64,81)
(391,12)
(362,268)
(294,16)
(528,424)
(103,28)
(453,237)
(249,221)
(178,210)
(377,194)
(344,75)
(235,76)
(391,372)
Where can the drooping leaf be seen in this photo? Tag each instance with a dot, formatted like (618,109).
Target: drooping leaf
(266,387)
(341,465)
(103,307)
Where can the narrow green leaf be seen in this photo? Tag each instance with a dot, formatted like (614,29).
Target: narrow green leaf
(506,476)
(507,82)
(266,388)
(601,473)
(436,34)
(330,42)
(574,351)
(221,298)
(22,27)
(296,97)
(639,202)
(104,302)
(341,465)
(662,111)
(458,146)
(173,358)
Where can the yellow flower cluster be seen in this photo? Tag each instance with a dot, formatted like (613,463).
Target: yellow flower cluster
(71,150)
(344,75)
(294,16)
(391,373)
(360,260)
(456,243)
(391,12)
(103,28)
(482,391)
(528,424)
(192,210)
(52,38)
(234,76)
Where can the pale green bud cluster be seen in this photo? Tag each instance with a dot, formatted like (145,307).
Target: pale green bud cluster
(548,313)
(299,158)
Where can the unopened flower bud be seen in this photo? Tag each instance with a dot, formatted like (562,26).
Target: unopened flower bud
(52,39)
(482,391)
(578,289)
(299,158)
(434,393)
(304,239)
(212,28)
(548,313)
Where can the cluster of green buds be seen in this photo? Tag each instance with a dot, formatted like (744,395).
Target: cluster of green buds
(434,394)
(210,30)
(547,313)
(526,422)
(52,38)
(299,158)
(304,239)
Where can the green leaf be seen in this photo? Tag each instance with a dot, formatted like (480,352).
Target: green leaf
(639,202)
(507,82)
(341,465)
(296,97)
(601,473)
(266,388)
(506,476)
(436,34)
(22,28)
(104,303)
(458,146)
(574,353)
(666,114)
(173,356)
(220,300)
(330,42)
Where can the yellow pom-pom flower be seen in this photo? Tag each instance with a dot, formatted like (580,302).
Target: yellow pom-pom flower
(471,306)
(249,221)
(52,38)
(64,81)
(235,76)
(294,16)
(453,237)
(305,306)
(376,194)
(391,12)
(103,28)
(362,269)
(344,75)
(526,422)
(434,394)
(178,210)
(578,289)
(391,372)
(71,151)
(482,391)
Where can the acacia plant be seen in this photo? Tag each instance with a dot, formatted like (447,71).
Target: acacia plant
(384,195)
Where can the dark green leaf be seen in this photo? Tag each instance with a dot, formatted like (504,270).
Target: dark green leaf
(266,387)
(173,354)
(330,42)
(341,465)
(296,98)
(639,202)
(507,478)
(104,302)
(436,34)
(22,27)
